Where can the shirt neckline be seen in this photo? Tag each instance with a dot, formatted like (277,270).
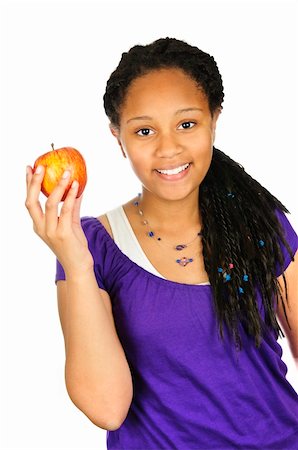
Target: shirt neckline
(134,237)
(146,272)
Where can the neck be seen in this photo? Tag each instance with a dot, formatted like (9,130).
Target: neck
(171,216)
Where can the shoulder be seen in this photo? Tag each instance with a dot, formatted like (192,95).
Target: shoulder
(101,246)
(289,230)
(103,219)
(95,230)
(288,242)
(285,221)
(129,213)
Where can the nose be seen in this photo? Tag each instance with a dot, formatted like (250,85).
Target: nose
(168,146)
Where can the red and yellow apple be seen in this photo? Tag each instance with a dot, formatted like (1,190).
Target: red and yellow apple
(55,163)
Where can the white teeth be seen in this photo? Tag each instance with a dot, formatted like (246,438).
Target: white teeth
(174,171)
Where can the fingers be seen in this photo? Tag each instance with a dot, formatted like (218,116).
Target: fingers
(33,182)
(70,210)
(46,224)
(76,210)
(51,205)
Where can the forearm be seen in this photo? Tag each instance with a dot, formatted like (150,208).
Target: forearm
(96,371)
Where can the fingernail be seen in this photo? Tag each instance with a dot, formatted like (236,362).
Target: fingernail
(38,170)
(74,184)
(27,170)
(66,174)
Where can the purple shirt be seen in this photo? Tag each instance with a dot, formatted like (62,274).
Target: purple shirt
(191,389)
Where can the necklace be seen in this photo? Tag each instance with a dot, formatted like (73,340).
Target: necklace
(179,247)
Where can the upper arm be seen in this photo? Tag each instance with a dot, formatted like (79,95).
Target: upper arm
(62,304)
(62,296)
(291,275)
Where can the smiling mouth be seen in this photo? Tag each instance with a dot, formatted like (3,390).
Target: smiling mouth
(173,171)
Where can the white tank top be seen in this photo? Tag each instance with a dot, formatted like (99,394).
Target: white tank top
(126,240)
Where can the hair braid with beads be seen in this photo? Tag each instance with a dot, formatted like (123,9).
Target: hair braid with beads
(240,230)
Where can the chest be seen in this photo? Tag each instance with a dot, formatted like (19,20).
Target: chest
(163,257)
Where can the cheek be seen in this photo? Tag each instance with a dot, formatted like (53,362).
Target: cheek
(205,140)
(203,155)
(139,165)
(203,147)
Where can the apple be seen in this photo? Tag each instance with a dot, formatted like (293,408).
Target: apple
(55,163)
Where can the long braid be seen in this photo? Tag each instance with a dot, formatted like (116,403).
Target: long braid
(248,305)
(238,233)
(227,255)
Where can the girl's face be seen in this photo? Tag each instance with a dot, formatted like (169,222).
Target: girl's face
(165,124)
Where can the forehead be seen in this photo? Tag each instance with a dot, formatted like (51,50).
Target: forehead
(169,85)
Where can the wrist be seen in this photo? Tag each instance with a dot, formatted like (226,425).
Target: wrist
(79,274)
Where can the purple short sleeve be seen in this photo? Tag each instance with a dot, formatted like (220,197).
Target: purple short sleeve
(291,238)
(94,233)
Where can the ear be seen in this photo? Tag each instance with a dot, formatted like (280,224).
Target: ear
(115,132)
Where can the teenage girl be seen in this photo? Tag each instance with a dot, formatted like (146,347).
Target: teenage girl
(169,302)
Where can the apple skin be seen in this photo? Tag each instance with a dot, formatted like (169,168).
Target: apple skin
(55,163)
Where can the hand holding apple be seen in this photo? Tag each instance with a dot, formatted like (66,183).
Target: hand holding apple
(55,163)
(63,231)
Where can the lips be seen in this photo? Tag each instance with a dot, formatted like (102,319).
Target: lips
(174,175)
(173,171)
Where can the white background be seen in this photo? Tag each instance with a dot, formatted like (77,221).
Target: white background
(57,57)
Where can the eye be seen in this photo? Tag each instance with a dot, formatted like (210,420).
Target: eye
(187,125)
(144,132)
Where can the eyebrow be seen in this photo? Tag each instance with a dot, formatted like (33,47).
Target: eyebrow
(179,111)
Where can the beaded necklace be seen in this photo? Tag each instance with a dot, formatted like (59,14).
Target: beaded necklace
(179,247)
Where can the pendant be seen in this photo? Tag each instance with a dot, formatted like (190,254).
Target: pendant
(184,261)
(180,247)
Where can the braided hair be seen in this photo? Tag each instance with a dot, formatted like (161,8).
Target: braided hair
(240,243)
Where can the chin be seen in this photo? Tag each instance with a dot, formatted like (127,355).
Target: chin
(175,193)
